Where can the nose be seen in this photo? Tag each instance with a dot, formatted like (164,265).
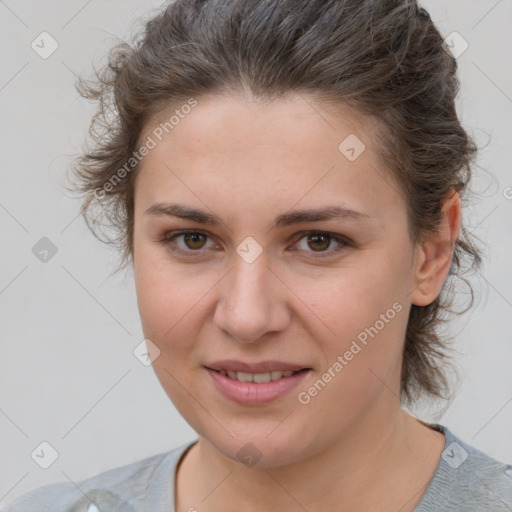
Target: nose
(252,302)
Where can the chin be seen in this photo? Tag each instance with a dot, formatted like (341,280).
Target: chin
(264,447)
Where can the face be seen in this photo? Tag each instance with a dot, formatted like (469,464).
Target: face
(252,281)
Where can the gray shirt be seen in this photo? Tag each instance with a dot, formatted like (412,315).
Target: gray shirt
(465,480)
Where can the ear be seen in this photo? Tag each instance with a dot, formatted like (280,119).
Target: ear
(434,256)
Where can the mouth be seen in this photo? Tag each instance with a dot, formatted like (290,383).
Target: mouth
(256,389)
(259,378)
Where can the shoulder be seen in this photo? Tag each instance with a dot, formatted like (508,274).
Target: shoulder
(467,479)
(124,488)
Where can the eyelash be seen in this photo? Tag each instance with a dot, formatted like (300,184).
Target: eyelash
(167,242)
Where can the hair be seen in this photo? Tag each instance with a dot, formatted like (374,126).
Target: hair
(385,58)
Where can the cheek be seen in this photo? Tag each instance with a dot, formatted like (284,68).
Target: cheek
(361,316)
(360,363)
(171,301)
(167,303)
(348,300)
(160,295)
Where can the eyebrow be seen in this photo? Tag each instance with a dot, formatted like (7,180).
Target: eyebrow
(285,219)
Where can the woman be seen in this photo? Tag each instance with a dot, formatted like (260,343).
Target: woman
(286,178)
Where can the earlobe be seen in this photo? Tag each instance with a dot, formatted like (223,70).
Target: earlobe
(435,254)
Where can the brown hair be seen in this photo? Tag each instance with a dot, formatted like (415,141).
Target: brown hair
(384,57)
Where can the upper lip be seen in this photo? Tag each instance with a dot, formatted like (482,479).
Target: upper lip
(260,367)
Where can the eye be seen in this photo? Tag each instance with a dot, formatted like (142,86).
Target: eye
(320,241)
(193,241)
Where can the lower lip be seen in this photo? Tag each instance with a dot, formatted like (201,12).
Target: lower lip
(251,393)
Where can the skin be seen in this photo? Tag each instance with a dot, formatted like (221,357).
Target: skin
(352,447)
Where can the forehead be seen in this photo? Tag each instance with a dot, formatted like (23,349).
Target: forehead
(249,153)
(235,122)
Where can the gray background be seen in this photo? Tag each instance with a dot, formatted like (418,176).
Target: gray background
(68,375)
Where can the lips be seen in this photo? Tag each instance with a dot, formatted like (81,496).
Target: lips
(261,392)
(257,367)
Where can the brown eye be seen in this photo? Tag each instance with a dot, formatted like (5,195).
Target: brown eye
(190,242)
(194,240)
(319,242)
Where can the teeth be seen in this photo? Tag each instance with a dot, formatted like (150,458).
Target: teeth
(262,377)
(256,377)
(244,377)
